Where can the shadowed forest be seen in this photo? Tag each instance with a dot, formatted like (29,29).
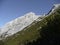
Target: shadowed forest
(50,33)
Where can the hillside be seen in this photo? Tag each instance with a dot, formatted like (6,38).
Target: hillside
(50,31)
(45,31)
(29,33)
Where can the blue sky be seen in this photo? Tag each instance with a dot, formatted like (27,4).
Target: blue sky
(11,9)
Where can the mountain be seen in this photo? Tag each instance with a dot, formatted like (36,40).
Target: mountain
(18,24)
(43,30)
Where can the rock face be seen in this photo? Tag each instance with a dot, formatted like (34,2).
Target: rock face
(18,24)
(55,6)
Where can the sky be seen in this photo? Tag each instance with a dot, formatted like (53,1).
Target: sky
(11,9)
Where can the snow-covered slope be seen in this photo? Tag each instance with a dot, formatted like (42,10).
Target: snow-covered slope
(18,24)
